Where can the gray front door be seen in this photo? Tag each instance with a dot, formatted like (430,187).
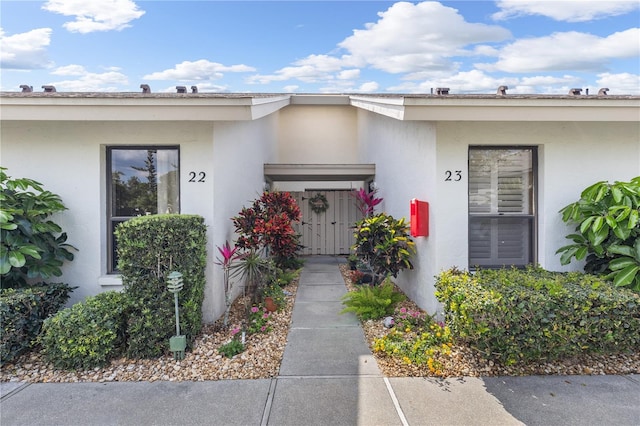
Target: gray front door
(329,232)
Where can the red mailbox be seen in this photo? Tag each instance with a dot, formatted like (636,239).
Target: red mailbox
(419,218)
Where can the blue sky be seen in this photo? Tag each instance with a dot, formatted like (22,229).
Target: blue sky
(532,46)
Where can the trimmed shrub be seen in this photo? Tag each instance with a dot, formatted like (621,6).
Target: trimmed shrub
(514,316)
(149,247)
(88,334)
(22,312)
(372,302)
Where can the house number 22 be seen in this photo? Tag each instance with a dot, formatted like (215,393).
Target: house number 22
(197,177)
(453,176)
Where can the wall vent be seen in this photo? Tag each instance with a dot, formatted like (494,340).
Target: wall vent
(442,90)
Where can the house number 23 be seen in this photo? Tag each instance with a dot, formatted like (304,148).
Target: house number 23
(197,177)
(453,176)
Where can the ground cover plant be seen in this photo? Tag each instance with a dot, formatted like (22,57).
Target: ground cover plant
(372,302)
(607,219)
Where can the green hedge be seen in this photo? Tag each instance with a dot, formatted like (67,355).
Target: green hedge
(22,312)
(88,334)
(149,247)
(515,316)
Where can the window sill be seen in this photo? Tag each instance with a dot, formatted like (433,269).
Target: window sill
(110,281)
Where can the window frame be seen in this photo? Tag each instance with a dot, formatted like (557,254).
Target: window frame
(110,220)
(532,217)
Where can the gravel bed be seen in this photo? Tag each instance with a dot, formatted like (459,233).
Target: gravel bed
(261,358)
(463,361)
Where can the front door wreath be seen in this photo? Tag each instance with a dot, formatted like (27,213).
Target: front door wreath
(318,203)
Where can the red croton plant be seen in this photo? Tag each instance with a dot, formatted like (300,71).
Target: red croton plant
(268,224)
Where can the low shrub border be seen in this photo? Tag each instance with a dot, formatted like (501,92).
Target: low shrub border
(22,312)
(518,316)
(88,334)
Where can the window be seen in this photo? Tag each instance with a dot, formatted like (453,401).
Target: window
(141,181)
(502,207)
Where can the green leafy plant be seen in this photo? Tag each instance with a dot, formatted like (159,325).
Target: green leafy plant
(22,312)
(384,245)
(372,302)
(607,218)
(231,348)
(88,334)
(149,247)
(519,316)
(32,246)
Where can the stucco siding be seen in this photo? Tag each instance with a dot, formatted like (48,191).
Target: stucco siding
(405,158)
(317,134)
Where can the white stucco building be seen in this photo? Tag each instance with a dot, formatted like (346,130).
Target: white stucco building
(495,169)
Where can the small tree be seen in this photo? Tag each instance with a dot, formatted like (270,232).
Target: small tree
(32,246)
(384,245)
(607,218)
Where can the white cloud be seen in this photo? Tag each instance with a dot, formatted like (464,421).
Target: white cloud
(566,51)
(352,74)
(565,10)
(95,15)
(197,70)
(408,38)
(478,82)
(291,88)
(109,81)
(620,84)
(413,37)
(25,50)
(369,86)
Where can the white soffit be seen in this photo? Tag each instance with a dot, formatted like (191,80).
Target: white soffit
(319,172)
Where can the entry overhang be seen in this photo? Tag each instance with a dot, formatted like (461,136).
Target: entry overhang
(319,172)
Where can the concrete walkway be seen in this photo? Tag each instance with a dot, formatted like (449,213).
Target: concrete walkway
(328,376)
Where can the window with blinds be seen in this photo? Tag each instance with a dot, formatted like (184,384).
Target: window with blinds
(501,206)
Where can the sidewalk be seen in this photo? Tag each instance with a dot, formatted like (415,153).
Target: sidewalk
(328,376)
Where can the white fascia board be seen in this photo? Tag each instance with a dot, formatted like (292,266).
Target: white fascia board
(93,108)
(522,109)
(391,107)
(268,105)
